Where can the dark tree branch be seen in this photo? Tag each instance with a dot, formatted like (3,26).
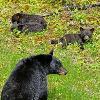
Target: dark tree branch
(84,7)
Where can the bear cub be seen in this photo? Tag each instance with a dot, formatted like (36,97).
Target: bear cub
(83,36)
(28,81)
(25,22)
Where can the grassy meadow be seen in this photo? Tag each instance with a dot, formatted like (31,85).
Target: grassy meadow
(83,79)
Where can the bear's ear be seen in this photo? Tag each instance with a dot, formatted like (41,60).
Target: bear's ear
(81,28)
(51,52)
(19,15)
(49,58)
(92,29)
(21,12)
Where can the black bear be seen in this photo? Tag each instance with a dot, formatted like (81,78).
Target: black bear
(28,81)
(25,22)
(83,36)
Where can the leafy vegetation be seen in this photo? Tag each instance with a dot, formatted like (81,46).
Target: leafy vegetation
(83,79)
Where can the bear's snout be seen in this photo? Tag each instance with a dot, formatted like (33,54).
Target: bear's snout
(86,37)
(62,71)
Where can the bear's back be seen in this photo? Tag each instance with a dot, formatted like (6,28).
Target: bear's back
(24,81)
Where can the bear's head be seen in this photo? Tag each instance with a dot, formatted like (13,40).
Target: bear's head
(18,17)
(86,33)
(56,66)
(51,64)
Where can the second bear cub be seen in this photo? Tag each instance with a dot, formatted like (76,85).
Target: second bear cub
(82,37)
(26,22)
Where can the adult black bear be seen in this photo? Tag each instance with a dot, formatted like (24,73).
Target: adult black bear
(25,22)
(28,81)
(84,36)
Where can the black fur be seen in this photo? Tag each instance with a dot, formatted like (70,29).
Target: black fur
(84,36)
(28,81)
(25,22)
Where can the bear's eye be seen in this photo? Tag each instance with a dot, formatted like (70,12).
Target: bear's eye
(58,64)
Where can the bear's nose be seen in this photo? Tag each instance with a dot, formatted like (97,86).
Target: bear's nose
(86,37)
(65,73)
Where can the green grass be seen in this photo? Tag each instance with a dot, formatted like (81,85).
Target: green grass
(83,79)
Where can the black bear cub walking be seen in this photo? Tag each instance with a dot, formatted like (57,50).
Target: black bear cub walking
(84,36)
(25,22)
(28,81)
